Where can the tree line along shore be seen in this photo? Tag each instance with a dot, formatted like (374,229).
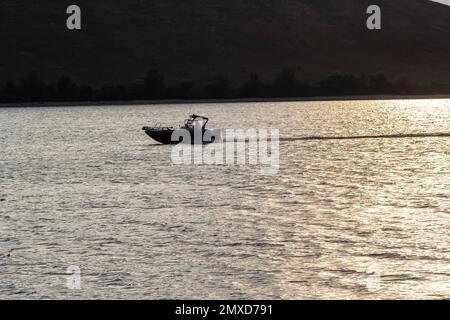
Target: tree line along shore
(31,88)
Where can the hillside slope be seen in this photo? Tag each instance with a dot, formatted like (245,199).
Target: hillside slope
(121,40)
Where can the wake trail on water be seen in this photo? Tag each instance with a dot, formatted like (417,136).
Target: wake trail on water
(382,136)
(356,137)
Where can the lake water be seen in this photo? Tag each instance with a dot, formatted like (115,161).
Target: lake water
(354,218)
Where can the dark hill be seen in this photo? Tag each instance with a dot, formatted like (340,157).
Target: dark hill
(202,39)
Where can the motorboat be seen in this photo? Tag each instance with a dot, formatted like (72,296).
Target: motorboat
(193,129)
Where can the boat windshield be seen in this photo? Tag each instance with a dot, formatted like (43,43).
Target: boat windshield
(193,123)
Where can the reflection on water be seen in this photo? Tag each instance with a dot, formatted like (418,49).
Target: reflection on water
(85,187)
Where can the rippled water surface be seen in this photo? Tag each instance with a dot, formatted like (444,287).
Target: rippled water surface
(84,186)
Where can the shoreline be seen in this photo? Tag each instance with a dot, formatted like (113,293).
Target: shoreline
(224,101)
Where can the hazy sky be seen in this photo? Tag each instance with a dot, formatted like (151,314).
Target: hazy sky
(443,1)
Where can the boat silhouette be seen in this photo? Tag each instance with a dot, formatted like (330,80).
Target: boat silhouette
(192,131)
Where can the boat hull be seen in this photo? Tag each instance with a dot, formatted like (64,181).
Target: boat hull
(161,136)
(164,136)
